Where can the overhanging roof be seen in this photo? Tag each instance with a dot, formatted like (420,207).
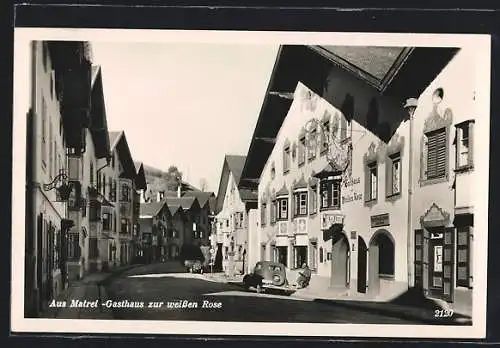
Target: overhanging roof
(404,76)
(99,124)
(119,142)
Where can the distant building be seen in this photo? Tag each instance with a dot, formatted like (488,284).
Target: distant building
(153,220)
(231,239)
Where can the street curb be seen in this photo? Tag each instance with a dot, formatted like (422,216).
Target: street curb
(396,313)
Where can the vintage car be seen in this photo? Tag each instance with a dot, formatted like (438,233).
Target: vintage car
(194,266)
(268,275)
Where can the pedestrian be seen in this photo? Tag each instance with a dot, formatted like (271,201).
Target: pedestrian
(304,276)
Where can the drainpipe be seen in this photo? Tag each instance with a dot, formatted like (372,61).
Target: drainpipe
(410,106)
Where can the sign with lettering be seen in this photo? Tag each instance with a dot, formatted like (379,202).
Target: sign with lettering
(351,193)
(380,220)
(329,219)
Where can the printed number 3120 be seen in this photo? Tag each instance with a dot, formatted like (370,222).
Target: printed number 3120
(443,313)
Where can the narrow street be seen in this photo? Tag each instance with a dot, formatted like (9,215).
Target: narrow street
(169,283)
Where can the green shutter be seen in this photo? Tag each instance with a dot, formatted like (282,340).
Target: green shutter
(448,262)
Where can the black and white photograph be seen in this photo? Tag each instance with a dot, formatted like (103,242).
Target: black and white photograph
(250,183)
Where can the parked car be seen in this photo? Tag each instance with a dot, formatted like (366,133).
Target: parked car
(267,275)
(194,266)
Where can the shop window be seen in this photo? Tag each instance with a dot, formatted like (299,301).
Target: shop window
(93,248)
(263,212)
(463,256)
(283,208)
(463,144)
(435,154)
(300,206)
(286,159)
(393,178)
(330,194)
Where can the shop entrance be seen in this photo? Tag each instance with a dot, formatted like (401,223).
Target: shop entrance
(300,256)
(436,247)
(281,255)
(362,258)
(381,260)
(340,262)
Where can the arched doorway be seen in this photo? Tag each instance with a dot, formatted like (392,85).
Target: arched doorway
(340,262)
(362,265)
(381,260)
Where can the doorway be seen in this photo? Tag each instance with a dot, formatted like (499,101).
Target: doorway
(381,260)
(362,259)
(300,256)
(340,263)
(282,253)
(436,249)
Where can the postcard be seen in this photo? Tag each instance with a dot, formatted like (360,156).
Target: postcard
(250,183)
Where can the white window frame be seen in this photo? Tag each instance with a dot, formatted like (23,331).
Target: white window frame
(373,174)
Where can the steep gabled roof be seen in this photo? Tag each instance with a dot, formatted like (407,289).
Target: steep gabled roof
(151,209)
(140,179)
(236,164)
(119,142)
(185,202)
(202,196)
(99,125)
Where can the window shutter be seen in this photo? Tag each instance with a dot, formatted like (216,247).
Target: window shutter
(294,206)
(418,262)
(463,256)
(470,160)
(436,154)
(388,177)
(425,259)
(448,261)
(367,183)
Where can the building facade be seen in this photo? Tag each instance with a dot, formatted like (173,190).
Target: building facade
(59,109)
(335,165)
(154,220)
(230,241)
(443,177)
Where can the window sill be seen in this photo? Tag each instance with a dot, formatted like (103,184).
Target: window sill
(301,164)
(386,276)
(425,182)
(464,169)
(323,152)
(329,209)
(310,159)
(300,216)
(313,213)
(285,172)
(393,197)
(371,202)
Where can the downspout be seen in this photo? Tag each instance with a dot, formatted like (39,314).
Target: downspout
(410,106)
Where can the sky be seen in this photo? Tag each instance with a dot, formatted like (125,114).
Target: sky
(185,104)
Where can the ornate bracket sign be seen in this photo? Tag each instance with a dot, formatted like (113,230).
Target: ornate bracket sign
(328,219)
(435,216)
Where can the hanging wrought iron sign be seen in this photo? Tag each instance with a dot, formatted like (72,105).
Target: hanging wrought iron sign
(60,184)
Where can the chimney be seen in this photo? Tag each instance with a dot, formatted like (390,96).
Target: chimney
(158,198)
(179,191)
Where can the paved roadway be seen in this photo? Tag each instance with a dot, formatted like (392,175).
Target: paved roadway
(169,283)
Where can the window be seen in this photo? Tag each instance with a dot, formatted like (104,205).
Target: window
(463,256)
(312,145)
(435,154)
(74,251)
(227,223)
(104,184)
(300,208)
(263,214)
(321,255)
(91,178)
(286,159)
(125,226)
(106,221)
(274,205)
(330,194)
(393,180)
(94,211)
(44,131)
(125,193)
(51,154)
(302,150)
(372,182)
(283,208)
(313,204)
(463,144)
(93,248)
(325,136)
